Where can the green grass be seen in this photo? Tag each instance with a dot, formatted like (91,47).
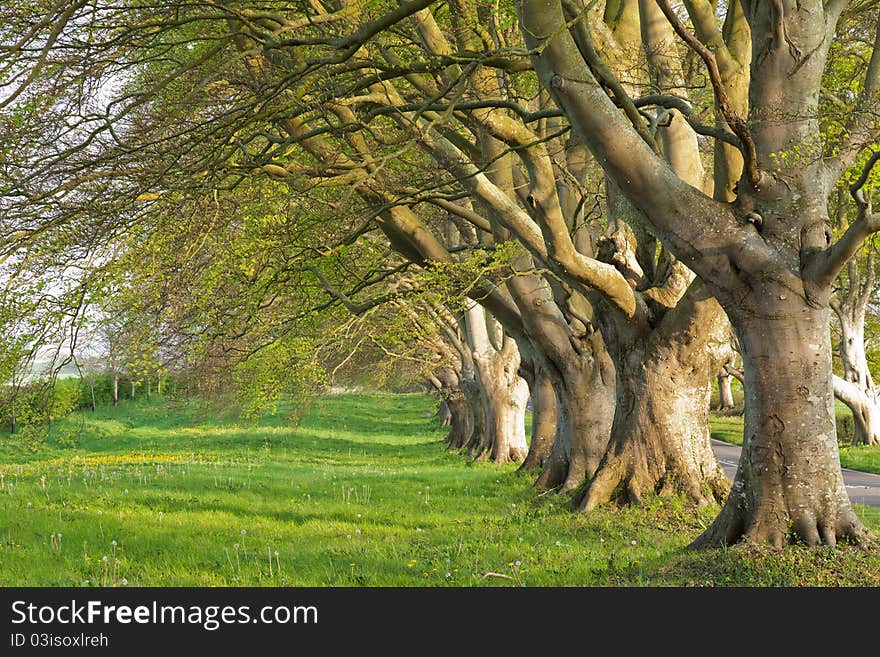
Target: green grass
(360,493)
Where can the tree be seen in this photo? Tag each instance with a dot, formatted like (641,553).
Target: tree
(766,256)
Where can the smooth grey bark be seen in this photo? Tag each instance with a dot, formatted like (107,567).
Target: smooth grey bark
(790,463)
(725,392)
(574,359)
(543,419)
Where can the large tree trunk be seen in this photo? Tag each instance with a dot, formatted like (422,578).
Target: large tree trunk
(504,394)
(474,430)
(789,437)
(502,391)
(585,408)
(660,436)
(543,420)
(116,390)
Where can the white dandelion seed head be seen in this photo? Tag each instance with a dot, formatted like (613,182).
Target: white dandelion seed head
(124,582)
(558,543)
(243,532)
(113,543)
(632,542)
(105,558)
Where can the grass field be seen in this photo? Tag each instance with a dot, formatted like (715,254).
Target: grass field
(360,493)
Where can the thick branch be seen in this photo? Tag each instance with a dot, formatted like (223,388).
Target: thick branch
(823,267)
(734,120)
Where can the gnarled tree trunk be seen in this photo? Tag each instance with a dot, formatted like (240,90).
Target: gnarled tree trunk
(660,437)
(789,436)
(585,408)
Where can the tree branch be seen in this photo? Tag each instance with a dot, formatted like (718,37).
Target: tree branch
(736,122)
(823,267)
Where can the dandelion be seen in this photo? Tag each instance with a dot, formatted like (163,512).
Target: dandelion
(418,529)
(105,558)
(558,543)
(348,536)
(601,540)
(448,575)
(276,553)
(517,563)
(243,532)
(100,513)
(113,543)
(125,491)
(30,504)
(632,542)
(235,545)
(124,582)
(357,531)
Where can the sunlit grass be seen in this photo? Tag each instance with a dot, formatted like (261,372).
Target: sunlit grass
(362,492)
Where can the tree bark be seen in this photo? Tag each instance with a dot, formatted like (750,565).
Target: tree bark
(585,408)
(444,414)
(543,420)
(502,391)
(789,437)
(504,395)
(116,390)
(865,410)
(725,392)
(856,388)
(660,436)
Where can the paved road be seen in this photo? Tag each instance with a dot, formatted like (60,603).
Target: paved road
(863,488)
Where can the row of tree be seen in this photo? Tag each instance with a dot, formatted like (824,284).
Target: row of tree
(602,206)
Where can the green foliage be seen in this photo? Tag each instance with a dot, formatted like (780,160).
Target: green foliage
(284,370)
